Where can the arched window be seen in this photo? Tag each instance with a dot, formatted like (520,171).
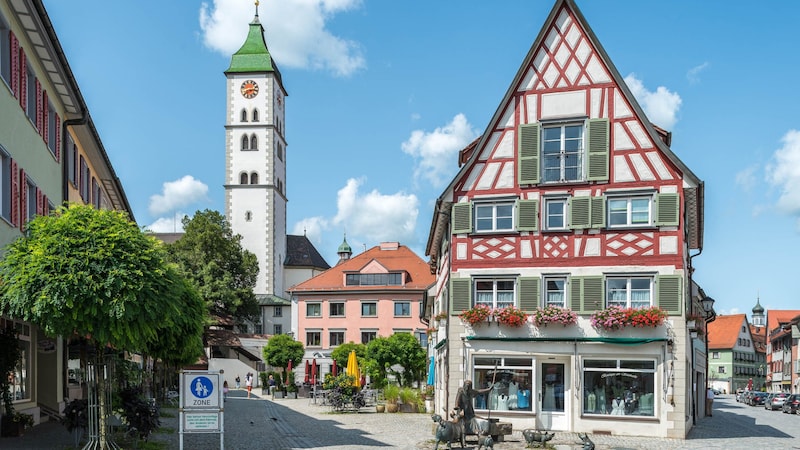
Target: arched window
(245,142)
(253,142)
(254,178)
(243,178)
(248,216)
(255,115)
(244,115)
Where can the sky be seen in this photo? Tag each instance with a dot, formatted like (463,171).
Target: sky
(383,95)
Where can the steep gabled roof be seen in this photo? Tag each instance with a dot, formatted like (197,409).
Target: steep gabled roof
(693,186)
(723,332)
(300,252)
(776,317)
(397,258)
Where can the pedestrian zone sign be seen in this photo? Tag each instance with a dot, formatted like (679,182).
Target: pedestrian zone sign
(200,390)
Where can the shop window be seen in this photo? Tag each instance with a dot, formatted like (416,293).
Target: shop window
(513,383)
(619,387)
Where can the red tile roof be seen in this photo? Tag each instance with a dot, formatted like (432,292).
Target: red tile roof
(393,257)
(775,317)
(723,332)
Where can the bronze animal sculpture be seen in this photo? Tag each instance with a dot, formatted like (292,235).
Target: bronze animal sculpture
(449,431)
(485,442)
(536,437)
(587,443)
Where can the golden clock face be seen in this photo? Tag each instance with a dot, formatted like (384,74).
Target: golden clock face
(249,89)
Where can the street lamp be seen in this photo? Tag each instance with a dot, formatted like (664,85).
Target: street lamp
(708,308)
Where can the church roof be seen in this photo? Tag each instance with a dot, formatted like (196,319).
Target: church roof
(253,56)
(758,309)
(300,252)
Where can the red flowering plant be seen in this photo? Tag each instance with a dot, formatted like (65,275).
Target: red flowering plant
(554,314)
(611,318)
(646,317)
(476,315)
(511,316)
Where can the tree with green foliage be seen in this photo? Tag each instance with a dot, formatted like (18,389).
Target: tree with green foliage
(342,352)
(212,258)
(399,349)
(93,273)
(281,349)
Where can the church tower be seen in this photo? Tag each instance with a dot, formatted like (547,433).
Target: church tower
(255,157)
(759,318)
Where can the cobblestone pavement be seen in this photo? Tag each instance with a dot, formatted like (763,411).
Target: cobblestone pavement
(258,423)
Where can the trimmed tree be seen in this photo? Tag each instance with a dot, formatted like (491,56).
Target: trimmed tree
(95,274)
(281,349)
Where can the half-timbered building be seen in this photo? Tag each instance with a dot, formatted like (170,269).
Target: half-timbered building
(570,198)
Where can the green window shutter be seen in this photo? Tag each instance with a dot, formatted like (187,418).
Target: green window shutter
(527,215)
(461,218)
(529,293)
(668,292)
(528,153)
(597,155)
(667,209)
(575,294)
(598,208)
(460,295)
(593,297)
(579,212)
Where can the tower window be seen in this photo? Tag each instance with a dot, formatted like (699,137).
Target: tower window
(255,115)
(279,148)
(245,142)
(254,178)
(253,142)
(244,115)
(248,216)
(243,178)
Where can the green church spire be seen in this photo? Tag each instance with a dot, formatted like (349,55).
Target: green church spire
(254,55)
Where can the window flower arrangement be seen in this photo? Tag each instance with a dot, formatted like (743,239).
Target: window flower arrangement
(430,331)
(611,318)
(441,316)
(511,316)
(554,314)
(646,317)
(476,315)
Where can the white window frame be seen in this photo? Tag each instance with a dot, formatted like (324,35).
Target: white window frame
(483,290)
(374,305)
(312,333)
(402,313)
(51,125)
(277,311)
(546,290)
(336,332)
(373,334)
(30,94)
(549,214)
(318,309)
(564,152)
(632,211)
(331,312)
(488,212)
(632,286)
(5,52)
(5,184)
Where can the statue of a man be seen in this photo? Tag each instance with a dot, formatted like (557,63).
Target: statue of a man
(464,397)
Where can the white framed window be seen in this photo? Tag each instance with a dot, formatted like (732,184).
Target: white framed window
(562,153)
(629,292)
(30,92)
(277,311)
(335,338)
(494,216)
(313,310)
(636,211)
(5,185)
(402,309)
(30,198)
(510,375)
(313,338)
(495,293)
(555,213)
(5,51)
(619,387)
(336,309)
(20,377)
(367,336)
(52,130)
(555,291)
(369,309)
(277,329)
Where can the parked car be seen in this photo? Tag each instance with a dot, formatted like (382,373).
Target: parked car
(776,401)
(740,395)
(768,399)
(791,404)
(747,395)
(757,398)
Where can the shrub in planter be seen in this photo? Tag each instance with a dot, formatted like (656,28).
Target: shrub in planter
(392,394)
(76,418)
(139,413)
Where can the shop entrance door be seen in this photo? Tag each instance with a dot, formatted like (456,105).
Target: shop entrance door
(553,395)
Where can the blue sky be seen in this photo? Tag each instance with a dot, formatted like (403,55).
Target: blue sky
(383,94)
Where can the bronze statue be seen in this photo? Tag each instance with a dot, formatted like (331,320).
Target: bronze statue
(464,398)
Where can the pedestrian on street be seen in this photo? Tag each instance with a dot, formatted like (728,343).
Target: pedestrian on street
(238,382)
(709,401)
(249,383)
(225,391)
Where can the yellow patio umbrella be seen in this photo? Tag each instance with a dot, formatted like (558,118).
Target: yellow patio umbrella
(352,368)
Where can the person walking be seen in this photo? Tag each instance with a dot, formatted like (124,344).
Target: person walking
(249,383)
(709,401)
(238,382)
(225,391)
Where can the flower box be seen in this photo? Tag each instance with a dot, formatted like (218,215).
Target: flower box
(615,318)
(555,315)
(476,315)
(510,316)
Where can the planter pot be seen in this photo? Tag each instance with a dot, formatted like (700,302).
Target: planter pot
(408,408)
(429,406)
(392,407)
(9,428)
(380,408)
(291,395)
(278,394)
(691,324)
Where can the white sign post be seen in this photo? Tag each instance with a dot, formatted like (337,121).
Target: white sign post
(201,404)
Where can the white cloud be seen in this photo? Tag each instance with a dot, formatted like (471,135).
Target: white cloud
(746,178)
(374,216)
(660,106)
(783,172)
(168,224)
(178,194)
(693,75)
(312,228)
(436,153)
(295,29)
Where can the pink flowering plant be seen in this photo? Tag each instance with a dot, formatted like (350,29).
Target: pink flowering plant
(476,315)
(511,316)
(611,318)
(617,317)
(554,314)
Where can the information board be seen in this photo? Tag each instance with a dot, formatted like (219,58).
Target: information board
(201,422)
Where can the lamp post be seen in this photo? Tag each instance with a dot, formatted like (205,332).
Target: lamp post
(710,316)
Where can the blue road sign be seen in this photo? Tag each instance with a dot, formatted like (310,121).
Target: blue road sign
(201,387)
